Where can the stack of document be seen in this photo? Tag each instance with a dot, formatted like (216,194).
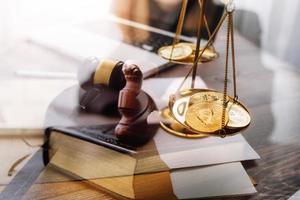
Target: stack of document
(217,169)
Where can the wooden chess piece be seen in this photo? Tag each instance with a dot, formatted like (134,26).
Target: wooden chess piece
(134,105)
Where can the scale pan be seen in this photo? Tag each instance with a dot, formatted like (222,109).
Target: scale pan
(172,126)
(184,53)
(200,111)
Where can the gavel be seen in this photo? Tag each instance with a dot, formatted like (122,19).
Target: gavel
(110,84)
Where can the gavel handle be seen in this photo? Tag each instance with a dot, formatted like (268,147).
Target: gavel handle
(128,100)
(133,127)
(131,111)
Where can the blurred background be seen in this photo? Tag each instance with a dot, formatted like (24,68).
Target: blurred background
(272,24)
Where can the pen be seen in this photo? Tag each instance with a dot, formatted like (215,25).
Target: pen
(45,74)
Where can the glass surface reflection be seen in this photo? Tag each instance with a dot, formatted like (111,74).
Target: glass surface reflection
(267,61)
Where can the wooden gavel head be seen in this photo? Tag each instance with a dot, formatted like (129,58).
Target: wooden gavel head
(100,81)
(134,106)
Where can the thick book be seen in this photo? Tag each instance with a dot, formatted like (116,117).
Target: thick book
(94,152)
(188,183)
(94,146)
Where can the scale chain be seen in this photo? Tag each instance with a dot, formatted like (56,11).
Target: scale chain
(229,42)
(200,22)
(210,40)
(233,56)
(179,26)
(207,27)
(225,76)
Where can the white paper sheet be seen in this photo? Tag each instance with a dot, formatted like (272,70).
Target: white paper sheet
(179,152)
(216,180)
(295,196)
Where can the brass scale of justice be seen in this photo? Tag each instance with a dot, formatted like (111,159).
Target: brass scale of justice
(193,112)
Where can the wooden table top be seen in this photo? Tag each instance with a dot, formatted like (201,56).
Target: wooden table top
(271,90)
